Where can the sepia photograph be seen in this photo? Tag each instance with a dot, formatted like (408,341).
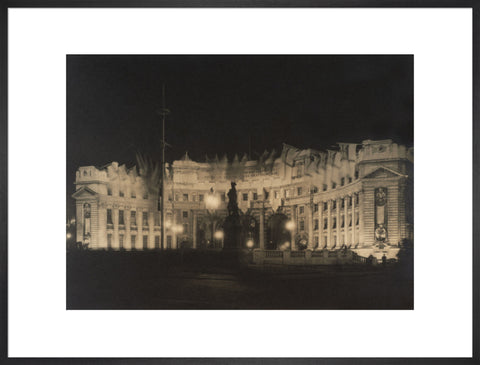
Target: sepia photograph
(240,182)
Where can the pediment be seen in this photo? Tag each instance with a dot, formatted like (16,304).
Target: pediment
(84,193)
(383,173)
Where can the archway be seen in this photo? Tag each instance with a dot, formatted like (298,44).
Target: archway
(277,233)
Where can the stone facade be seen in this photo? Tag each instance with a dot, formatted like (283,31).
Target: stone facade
(356,195)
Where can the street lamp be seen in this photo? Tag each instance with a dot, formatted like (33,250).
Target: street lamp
(290,225)
(212,202)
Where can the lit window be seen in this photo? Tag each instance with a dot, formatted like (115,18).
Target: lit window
(185,214)
(245,197)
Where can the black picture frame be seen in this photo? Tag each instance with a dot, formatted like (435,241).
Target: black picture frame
(474,5)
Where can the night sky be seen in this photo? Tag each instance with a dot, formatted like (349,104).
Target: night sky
(219,103)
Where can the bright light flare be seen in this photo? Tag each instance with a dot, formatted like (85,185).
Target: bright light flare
(250,244)
(218,235)
(290,225)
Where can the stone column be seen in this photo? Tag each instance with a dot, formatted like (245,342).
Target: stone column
(339,229)
(320,225)
(151,236)
(262,229)
(139,240)
(329,224)
(310,226)
(345,220)
(292,234)
(127,241)
(354,229)
(361,238)
(115,243)
(194,229)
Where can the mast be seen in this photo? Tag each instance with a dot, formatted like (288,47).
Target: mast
(163,112)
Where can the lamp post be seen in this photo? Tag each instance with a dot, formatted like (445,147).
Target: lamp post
(212,202)
(290,225)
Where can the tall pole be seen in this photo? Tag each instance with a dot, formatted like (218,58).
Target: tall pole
(164,113)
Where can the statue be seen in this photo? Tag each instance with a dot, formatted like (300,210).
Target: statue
(232,200)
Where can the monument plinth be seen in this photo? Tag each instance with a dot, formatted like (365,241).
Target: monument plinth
(232,227)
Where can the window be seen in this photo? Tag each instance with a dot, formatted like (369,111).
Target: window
(185,197)
(342,181)
(334,222)
(301,209)
(120,241)
(334,185)
(145,242)
(185,214)
(145,195)
(121,219)
(349,201)
(315,207)
(255,196)
(170,197)
(245,197)
(342,224)
(315,225)
(133,195)
(157,242)
(350,221)
(325,186)
(316,241)
(325,240)
(276,194)
(121,193)
(334,240)
(133,218)
(325,223)
(356,174)
(356,199)
(185,227)
(299,191)
(302,225)
(334,204)
(157,219)
(109,240)
(314,190)
(287,193)
(169,242)
(200,198)
(109,191)
(357,220)
(342,202)
(109,216)
(325,206)
(145,218)
(349,179)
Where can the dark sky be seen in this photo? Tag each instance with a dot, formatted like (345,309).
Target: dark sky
(217,102)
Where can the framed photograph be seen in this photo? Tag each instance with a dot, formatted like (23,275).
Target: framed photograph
(240,184)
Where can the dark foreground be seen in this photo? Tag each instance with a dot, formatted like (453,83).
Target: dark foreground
(217,280)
